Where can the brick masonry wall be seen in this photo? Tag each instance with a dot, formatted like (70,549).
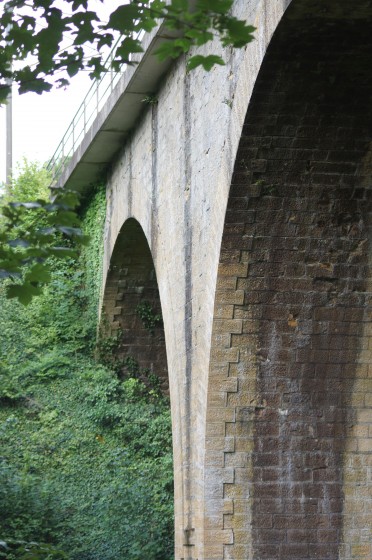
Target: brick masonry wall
(289,421)
(131,281)
(173,176)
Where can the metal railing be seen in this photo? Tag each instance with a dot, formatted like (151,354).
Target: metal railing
(94,101)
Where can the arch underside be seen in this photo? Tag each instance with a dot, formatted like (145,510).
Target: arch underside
(289,436)
(131,310)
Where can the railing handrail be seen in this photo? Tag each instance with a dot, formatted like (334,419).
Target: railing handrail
(85,115)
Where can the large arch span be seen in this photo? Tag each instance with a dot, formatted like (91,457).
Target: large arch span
(293,301)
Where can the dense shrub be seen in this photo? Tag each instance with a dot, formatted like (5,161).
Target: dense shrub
(85,460)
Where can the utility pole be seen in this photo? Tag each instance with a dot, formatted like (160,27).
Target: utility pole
(9,128)
(9,140)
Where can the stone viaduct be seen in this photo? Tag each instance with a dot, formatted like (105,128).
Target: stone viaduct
(239,203)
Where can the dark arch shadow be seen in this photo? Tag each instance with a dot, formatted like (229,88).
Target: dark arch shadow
(131,309)
(292,287)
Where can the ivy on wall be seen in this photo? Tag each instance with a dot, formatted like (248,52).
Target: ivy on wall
(149,318)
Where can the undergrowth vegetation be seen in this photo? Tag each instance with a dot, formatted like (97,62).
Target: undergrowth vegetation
(85,457)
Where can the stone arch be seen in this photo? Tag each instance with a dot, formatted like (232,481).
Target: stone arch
(290,390)
(131,307)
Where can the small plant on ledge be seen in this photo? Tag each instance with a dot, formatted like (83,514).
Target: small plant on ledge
(149,318)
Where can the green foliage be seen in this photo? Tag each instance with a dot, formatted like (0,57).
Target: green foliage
(107,345)
(47,40)
(21,550)
(132,367)
(149,318)
(86,463)
(25,508)
(206,61)
(150,385)
(32,182)
(34,231)
(150,99)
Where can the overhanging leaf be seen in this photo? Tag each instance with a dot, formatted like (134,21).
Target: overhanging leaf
(124,17)
(207,62)
(39,273)
(24,293)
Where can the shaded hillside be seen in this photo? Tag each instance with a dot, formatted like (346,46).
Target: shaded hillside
(85,461)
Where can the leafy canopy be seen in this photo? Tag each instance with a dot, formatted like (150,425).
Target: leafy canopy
(46,42)
(34,231)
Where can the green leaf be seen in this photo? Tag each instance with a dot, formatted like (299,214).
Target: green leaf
(106,39)
(124,18)
(206,61)
(39,273)
(73,68)
(217,6)
(4,93)
(239,34)
(168,50)
(24,293)
(127,47)
(183,44)
(48,40)
(79,3)
(67,198)
(64,218)
(199,37)
(179,5)
(146,23)
(98,68)
(158,5)
(84,23)
(38,85)
(62,83)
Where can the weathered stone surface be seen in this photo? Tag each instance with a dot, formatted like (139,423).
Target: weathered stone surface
(252,186)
